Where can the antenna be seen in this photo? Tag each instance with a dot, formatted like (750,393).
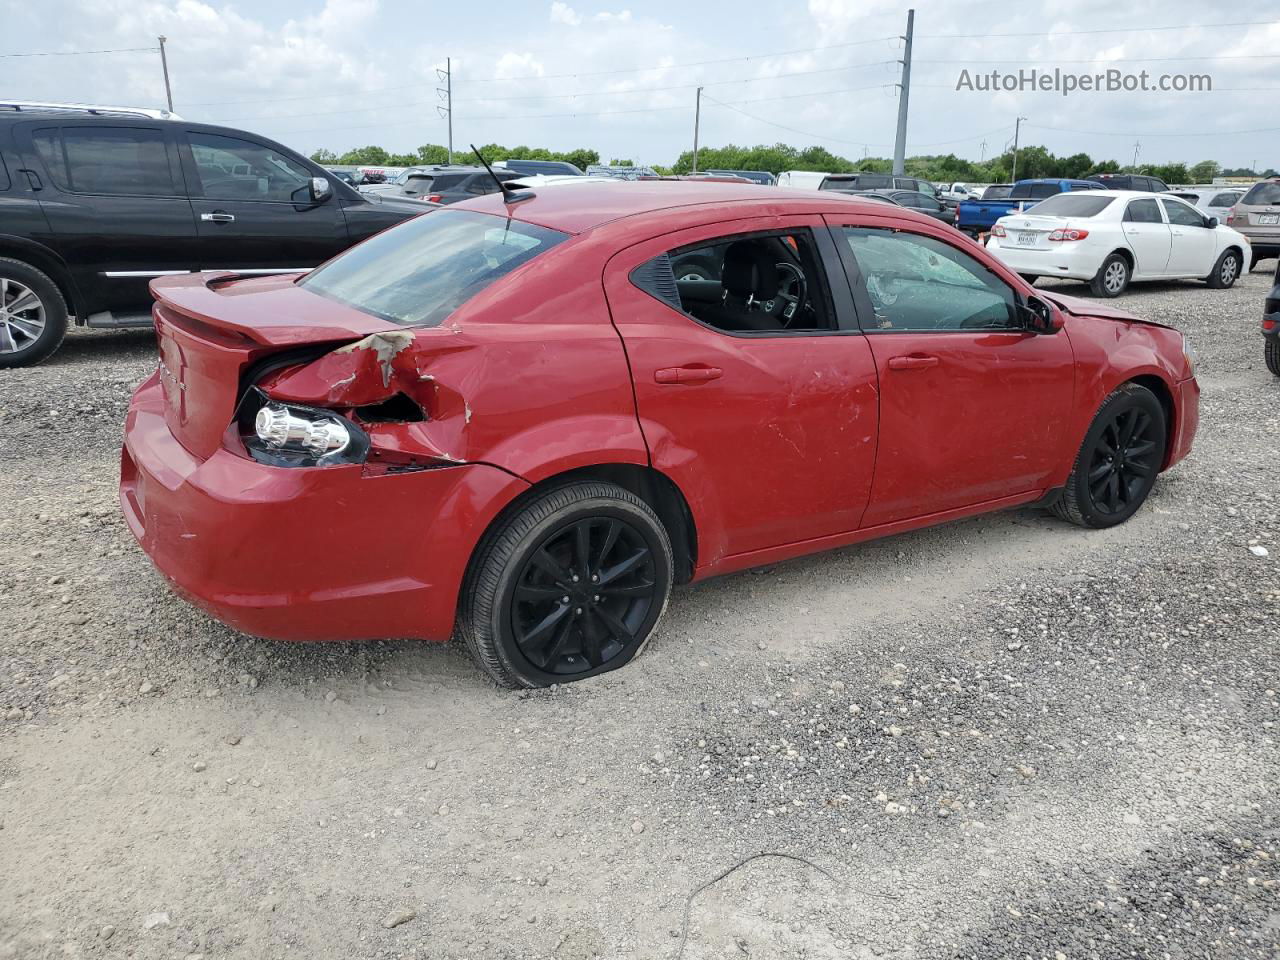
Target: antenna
(509,195)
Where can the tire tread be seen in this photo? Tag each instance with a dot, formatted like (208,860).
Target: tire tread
(59,324)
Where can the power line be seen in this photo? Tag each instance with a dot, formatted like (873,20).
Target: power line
(1078,33)
(1104,63)
(80,53)
(1130,133)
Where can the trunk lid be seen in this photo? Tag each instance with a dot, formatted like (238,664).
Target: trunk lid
(212,328)
(1031,232)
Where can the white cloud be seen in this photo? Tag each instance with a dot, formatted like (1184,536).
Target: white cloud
(563,13)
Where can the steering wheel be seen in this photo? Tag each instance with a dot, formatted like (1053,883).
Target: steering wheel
(792,295)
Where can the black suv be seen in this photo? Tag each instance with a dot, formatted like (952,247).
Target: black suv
(95,203)
(862,182)
(1129,181)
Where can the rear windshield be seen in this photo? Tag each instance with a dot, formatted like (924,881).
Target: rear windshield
(1034,191)
(996,193)
(873,182)
(422,270)
(1263,193)
(1073,205)
(448,181)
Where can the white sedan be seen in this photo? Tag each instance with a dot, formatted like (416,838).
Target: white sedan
(1110,237)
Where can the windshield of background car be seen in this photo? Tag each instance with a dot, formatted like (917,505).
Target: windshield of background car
(422,270)
(1073,205)
(1263,193)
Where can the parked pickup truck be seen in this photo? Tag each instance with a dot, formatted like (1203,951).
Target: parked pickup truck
(975,217)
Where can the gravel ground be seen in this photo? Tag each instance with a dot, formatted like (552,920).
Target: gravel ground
(1002,738)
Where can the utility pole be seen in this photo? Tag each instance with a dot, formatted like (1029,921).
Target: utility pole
(1137,145)
(982,156)
(697,119)
(1017,128)
(904,93)
(445,93)
(164,65)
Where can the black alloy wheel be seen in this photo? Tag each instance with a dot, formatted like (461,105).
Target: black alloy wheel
(1123,461)
(568,584)
(1119,460)
(583,595)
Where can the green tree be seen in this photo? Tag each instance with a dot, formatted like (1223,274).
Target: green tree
(373,156)
(324,156)
(1204,171)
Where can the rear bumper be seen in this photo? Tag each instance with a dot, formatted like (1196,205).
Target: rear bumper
(326,553)
(1186,419)
(1062,260)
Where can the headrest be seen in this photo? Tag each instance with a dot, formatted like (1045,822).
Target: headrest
(749,270)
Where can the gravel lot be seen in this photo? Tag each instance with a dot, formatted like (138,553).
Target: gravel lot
(1007,737)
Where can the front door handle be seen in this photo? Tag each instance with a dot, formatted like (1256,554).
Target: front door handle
(693,373)
(914,362)
(218,217)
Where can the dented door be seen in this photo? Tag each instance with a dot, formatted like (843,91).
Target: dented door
(771,438)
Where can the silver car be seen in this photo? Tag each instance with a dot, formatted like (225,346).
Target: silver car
(1214,201)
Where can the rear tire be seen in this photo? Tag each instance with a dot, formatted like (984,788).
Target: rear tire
(1272,353)
(1112,278)
(1118,462)
(569,586)
(33,314)
(1225,272)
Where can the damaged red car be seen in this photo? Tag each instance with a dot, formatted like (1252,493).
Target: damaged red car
(526,417)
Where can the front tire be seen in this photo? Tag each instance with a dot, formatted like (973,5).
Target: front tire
(1112,278)
(1225,271)
(1272,353)
(1118,461)
(569,586)
(33,314)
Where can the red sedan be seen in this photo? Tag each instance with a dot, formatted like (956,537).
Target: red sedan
(529,418)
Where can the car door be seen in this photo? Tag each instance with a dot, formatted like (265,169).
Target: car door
(1148,237)
(115,202)
(253,209)
(770,433)
(973,408)
(1195,246)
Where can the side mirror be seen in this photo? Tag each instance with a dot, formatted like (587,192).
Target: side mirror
(1210,222)
(1037,316)
(321,189)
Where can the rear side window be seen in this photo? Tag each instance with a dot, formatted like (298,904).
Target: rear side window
(4,174)
(1143,211)
(1263,193)
(1088,204)
(235,169)
(1034,191)
(114,161)
(422,270)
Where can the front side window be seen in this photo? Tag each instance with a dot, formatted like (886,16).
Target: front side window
(919,283)
(421,271)
(1143,211)
(110,161)
(761,283)
(1182,215)
(235,169)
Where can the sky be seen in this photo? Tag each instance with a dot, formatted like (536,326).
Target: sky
(621,78)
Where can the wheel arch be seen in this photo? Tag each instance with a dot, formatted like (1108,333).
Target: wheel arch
(1127,255)
(652,486)
(47,262)
(1164,393)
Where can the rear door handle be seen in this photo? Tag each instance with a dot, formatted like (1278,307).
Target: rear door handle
(916,362)
(687,374)
(218,217)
